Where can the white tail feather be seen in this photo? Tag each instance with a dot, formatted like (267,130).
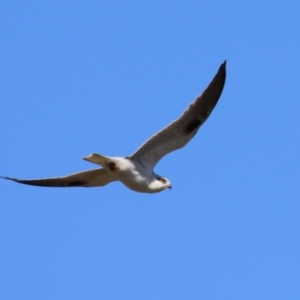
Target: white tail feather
(97,159)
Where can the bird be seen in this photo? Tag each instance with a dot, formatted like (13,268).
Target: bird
(137,170)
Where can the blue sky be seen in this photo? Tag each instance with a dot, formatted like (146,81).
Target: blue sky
(102,76)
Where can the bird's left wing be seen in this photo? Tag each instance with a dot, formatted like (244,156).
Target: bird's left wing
(91,178)
(181,131)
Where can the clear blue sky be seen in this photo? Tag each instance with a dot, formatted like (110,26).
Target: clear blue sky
(102,76)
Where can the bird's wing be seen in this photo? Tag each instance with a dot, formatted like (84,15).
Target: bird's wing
(181,131)
(96,177)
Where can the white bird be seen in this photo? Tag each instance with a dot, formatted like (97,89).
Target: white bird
(136,170)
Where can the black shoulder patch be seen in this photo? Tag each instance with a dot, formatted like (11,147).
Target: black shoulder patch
(192,126)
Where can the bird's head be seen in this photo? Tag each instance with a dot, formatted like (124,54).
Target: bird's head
(160,183)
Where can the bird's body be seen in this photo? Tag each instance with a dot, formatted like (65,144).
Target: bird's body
(130,173)
(136,171)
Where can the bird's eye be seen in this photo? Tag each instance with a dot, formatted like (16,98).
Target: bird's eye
(162,180)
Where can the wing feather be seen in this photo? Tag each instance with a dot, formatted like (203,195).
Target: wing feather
(177,134)
(91,178)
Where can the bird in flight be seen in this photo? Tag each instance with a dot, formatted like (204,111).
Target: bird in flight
(136,171)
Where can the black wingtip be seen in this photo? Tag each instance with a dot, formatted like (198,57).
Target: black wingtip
(48,182)
(223,65)
(8,178)
(12,179)
(222,70)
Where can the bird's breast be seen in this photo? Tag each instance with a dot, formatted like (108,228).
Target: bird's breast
(132,174)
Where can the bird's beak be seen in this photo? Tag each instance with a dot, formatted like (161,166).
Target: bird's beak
(170,186)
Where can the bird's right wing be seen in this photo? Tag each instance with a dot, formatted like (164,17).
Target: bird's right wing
(91,178)
(181,131)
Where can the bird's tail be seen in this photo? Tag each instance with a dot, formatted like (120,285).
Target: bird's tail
(97,159)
